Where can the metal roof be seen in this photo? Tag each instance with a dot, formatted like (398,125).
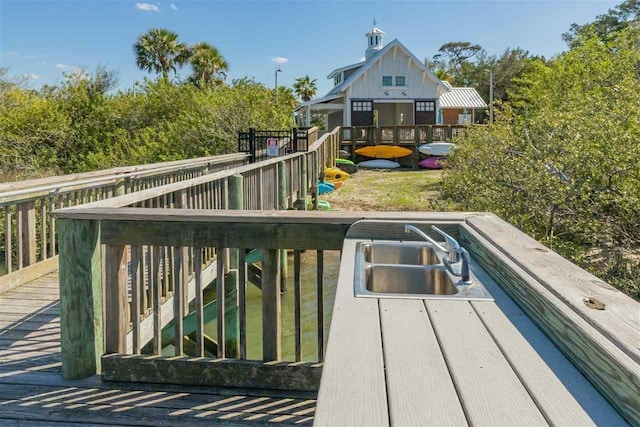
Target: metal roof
(462,97)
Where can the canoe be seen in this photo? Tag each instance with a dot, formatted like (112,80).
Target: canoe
(335,174)
(325,187)
(348,168)
(379,164)
(437,148)
(384,151)
(431,163)
(344,154)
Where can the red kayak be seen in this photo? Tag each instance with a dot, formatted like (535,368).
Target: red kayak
(430,163)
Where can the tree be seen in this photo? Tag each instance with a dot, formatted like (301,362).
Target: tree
(305,88)
(159,50)
(615,19)
(457,53)
(209,66)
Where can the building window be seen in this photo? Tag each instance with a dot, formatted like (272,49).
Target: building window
(361,105)
(400,81)
(387,80)
(424,106)
(337,79)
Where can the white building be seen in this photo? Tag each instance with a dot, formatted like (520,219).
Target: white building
(391,87)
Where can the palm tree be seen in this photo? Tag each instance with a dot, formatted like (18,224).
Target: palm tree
(209,66)
(160,51)
(305,88)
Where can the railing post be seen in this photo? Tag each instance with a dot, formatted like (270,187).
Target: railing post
(252,145)
(303,182)
(27,232)
(449,136)
(353,143)
(81,321)
(120,188)
(282,205)
(416,146)
(116,299)
(232,321)
(271,346)
(430,133)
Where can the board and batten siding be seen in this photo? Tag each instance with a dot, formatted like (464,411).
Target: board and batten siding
(369,85)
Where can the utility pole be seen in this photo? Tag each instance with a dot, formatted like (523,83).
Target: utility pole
(490,96)
(278,70)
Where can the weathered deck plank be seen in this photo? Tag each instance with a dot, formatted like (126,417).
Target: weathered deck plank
(419,388)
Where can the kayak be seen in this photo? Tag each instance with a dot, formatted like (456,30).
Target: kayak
(348,168)
(379,164)
(344,154)
(384,151)
(431,163)
(344,162)
(325,187)
(437,148)
(335,174)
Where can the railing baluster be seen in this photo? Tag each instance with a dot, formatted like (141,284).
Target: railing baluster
(43,229)
(221,262)
(19,236)
(178,307)
(199,305)
(52,229)
(116,299)
(297,305)
(271,345)
(8,253)
(242,301)
(135,297)
(320,302)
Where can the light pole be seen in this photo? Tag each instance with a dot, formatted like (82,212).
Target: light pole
(490,96)
(278,70)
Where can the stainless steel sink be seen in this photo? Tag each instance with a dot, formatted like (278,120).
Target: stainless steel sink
(399,269)
(405,279)
(408,253)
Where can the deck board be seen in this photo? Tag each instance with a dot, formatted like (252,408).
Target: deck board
(488,387)
(561,392)
(419,386)
(33,392)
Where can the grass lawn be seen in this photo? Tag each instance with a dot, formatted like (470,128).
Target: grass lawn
(392,190)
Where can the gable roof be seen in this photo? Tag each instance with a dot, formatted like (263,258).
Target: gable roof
(341,69)
(461,97)
(375,58)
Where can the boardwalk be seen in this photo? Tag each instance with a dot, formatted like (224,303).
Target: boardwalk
(33,392)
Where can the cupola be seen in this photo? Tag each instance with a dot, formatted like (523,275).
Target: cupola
(374,41)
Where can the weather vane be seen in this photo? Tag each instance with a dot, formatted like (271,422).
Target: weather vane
(374,22)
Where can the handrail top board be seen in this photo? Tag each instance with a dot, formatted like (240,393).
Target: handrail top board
(58,188)
(122,171)
(250,216)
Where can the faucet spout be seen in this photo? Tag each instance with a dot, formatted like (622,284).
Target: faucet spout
(409,228)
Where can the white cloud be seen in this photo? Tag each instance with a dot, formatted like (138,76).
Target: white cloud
(280,60)
(63,66)
(174,7)
(32,76)
(147,7)
(29,57)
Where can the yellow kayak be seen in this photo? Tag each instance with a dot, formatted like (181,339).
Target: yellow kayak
(384,151)
(335,174)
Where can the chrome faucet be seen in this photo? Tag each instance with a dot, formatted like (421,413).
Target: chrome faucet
(457,258)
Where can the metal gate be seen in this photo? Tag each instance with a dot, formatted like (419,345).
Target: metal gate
(254,142)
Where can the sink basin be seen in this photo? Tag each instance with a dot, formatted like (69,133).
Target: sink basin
(408,253)
(407,279)
(409,269)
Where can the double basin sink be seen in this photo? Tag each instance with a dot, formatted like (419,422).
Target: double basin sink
(399,269)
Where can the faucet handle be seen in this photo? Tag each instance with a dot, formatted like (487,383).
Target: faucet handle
(453,244)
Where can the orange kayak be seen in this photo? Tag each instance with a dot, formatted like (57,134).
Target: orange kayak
(384,151)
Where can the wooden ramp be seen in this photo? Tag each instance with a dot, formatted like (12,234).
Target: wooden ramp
(33,392)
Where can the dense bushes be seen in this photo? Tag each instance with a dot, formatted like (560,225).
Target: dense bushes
(562,161)
(78,126)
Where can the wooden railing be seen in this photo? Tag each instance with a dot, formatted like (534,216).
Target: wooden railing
(399,135)
(148,284)
(30,232)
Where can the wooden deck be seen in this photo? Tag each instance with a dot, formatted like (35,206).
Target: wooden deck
(433,362)
(33,392)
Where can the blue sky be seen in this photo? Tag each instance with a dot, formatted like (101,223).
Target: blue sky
(45,38)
